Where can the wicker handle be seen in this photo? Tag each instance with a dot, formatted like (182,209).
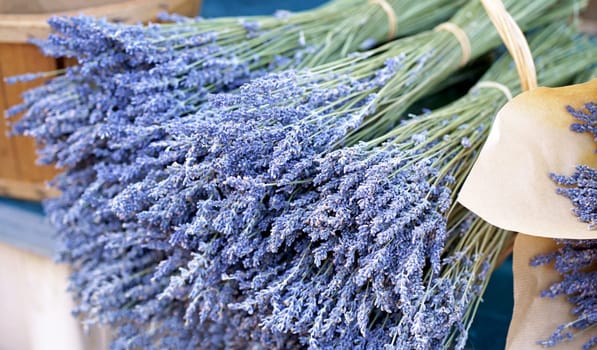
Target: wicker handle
(515,42)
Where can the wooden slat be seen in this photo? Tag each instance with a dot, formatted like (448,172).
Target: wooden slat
(19,28)
(45,6)
(187,8)
(8,154)
(19,59)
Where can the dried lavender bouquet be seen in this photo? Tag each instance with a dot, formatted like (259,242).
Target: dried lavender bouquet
(203,198)
(217,248)
(133,76)
(268,132)
(369,233)
(581,187)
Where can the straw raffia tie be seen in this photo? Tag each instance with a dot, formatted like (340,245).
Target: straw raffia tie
(392,20)
(460,35)
(495,85)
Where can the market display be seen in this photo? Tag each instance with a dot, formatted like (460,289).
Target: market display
(267,183)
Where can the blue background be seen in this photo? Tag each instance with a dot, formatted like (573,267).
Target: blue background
(219,8)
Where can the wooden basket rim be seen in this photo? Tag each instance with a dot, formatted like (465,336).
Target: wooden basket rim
(19,28)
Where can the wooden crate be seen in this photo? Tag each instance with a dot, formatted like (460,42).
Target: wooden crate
(20,20)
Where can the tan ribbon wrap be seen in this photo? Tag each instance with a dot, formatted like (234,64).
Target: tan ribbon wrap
(460,35)
(488,84)
(392,20)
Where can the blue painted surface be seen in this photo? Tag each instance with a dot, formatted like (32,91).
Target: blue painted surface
(490,328)
(26,206)
(23,224)
(219,8)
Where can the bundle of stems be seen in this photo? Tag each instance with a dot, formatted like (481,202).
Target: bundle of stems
(369,234)
(475,249)
(241,222)
(329,101)
(148,74)
(445,55)
(587,75)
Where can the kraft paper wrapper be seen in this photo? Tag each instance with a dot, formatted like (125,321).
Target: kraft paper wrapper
(509,185)
(536,318)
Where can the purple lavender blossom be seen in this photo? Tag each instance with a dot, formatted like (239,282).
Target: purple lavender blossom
(132,75)
(236,220)
(362,240)
(587,119)
(144,192)
(581,187)
(574,260)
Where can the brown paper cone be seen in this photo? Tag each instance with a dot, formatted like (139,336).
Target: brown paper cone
(509,185)
(535,318)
